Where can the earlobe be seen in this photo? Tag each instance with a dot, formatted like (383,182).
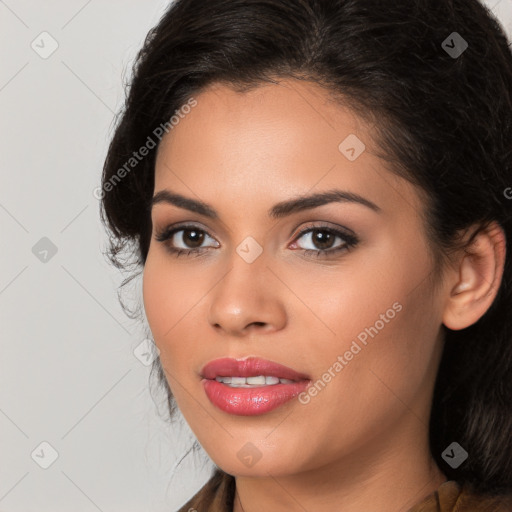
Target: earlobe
(477,279)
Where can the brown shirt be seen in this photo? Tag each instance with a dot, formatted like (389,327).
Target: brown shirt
(218,493)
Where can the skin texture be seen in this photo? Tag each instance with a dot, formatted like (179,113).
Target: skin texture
(363,439)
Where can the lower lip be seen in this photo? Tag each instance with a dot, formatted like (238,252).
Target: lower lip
(251,401)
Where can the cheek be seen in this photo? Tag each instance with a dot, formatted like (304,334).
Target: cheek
(378,380)
(164,297)
(171,299)
(382,323)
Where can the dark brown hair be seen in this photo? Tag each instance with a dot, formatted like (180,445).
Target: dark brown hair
(443,121)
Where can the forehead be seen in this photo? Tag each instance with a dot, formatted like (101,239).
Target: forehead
(225,121)
(271,141)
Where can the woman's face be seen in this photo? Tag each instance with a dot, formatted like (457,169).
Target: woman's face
(349,306)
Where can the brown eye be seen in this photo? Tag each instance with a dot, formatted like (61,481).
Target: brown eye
(322,241)
(192,237)
(322,238)
(185,239)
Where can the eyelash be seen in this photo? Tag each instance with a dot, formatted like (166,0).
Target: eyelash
(350,241)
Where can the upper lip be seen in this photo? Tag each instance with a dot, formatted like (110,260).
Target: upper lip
(250,367)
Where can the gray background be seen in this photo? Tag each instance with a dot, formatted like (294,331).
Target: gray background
(72,374)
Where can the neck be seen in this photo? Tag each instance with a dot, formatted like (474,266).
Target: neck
(394,479)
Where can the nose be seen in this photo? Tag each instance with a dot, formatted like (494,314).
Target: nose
(249,298)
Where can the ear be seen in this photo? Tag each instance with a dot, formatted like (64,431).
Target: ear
(476,278)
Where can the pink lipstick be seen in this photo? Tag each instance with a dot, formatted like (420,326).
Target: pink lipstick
(250,386)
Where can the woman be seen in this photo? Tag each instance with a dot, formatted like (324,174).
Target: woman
(319,196)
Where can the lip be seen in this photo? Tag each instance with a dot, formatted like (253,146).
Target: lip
(250,367)
(250,401)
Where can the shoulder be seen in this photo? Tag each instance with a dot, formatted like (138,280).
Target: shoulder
(454,497)
(470,500)
(216,495)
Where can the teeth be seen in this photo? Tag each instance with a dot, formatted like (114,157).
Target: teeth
(248,382)
(260,380)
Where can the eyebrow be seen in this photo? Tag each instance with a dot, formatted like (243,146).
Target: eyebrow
(278,211)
